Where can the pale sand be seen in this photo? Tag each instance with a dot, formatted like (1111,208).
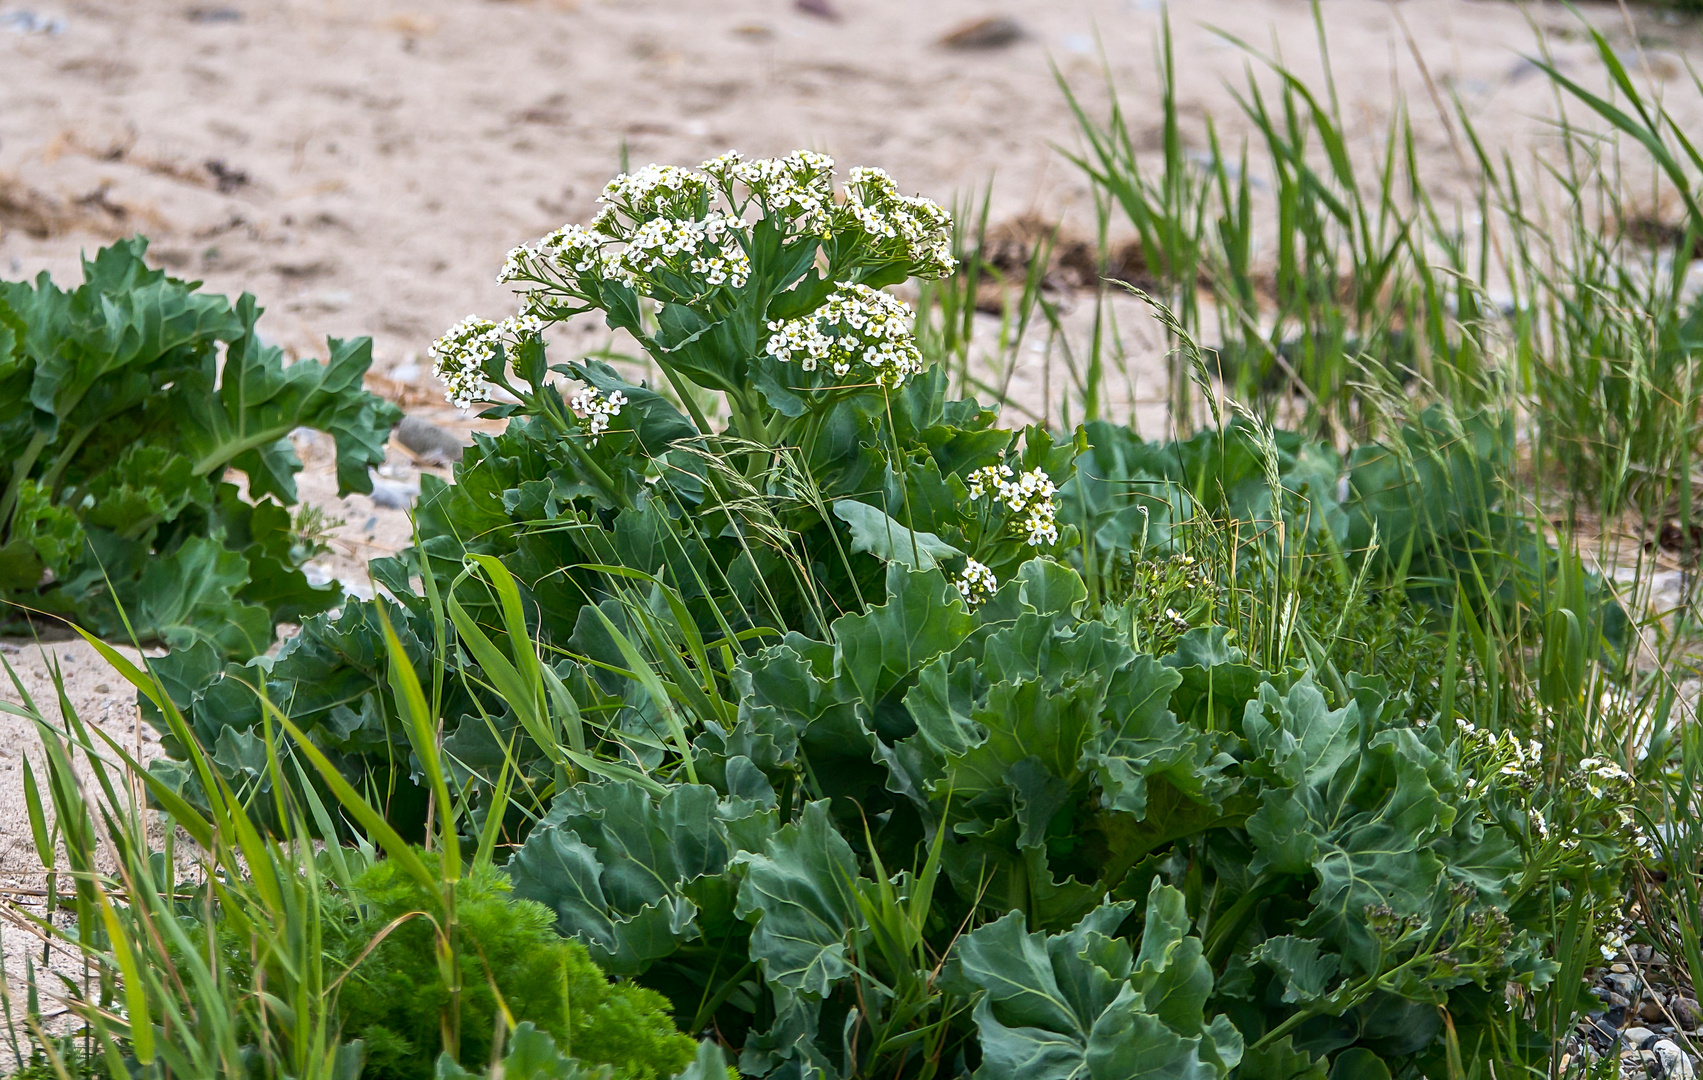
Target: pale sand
(394,151)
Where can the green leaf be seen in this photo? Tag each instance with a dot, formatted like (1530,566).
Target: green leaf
(1050,588)
(45,538)
(532,1055)
(148,483)
(882,649)
(1359,1064)
(873,531)
(190,596)
(246,423)
(1306,974)
(1281,1061)
(1075,1005)
(633,875)
(800,893)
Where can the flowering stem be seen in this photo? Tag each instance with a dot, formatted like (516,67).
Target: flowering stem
(598,476)
(681,389)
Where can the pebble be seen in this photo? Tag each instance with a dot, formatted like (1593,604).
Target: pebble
(393,496)
(1637,1037)
(992,32)
(822,9)
(430,441)
(102,688)
(1684,1011)
(1675,1065)
(1624,985)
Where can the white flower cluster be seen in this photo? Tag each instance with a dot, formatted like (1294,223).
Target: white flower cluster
(799,186)
(707,248)
(571,250)
(912,229)
(459,358)
(653,191)
(597,409)
(976,583)
(1519,761)
(1601,776)
(699,252)
(1029,497)
(859,329)
(1613,942)
(658,232)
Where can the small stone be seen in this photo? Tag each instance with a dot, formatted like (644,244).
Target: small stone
(1615,1001)
(1638,1037)
(1619,969)
(102,688)
(393,496)
(1675,1065)
(431,442)
(1624,985)
(1684,1011)
(822,9)
(991,32)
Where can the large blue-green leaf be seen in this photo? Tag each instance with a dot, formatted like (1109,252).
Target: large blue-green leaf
(1080,1006)
(634,875)
(884,647)
(245,422)
(891,541)
(801,894)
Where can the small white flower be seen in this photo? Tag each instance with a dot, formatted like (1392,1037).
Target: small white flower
(460,356)
(1613,942)
(1029,498)
(858,328)
(988,478)
(597,409)
(976,583)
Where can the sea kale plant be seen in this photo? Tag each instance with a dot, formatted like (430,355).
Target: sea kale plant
(127,405)
(885,741)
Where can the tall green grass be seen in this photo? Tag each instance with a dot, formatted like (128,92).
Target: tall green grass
(139,955)
(1344,298)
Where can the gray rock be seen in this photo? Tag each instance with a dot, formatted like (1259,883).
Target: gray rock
(429,441)
(394,496)
(1623,984)
(1674,1063)
(990,32)
(1638,1038)
(1684,1011)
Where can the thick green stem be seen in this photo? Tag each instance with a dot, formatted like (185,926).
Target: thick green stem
(50,480)
(25,463)
(598,476)
(682,390)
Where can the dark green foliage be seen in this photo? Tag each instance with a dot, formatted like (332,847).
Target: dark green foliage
(800,725)
(122,404)
(396,997)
